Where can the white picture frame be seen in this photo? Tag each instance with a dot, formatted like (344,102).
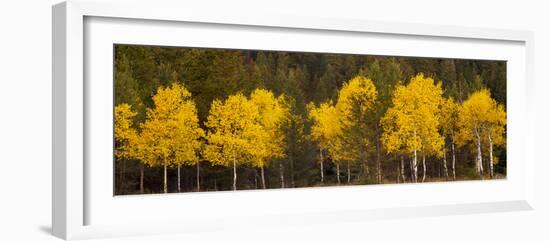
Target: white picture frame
(77,194)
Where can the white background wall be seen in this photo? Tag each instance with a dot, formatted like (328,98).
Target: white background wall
(25,119)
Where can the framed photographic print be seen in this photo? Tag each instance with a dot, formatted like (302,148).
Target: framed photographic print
(208,122)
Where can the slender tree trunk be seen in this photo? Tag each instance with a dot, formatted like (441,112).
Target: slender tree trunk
(179,178)
(349,173)
(263,176)
(198,176)
(141,174)
(402,169)
(454,158)
(445,171)
(338,172)
(322,169)
(415,167)
(282,174)
(165,187)
(479,159)
(490,153)
(398,172)
(414,164)
(423,166)
(234,174)
(215,184)
(365,162)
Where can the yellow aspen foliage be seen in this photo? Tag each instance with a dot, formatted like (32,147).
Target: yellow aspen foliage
(171,134)
(480,113)
(411,124)
(172,128)
(326,129)
(481,120)
(125,134)
(449,128)
(355,100)
(233,128)
(449,117)
(272,114)
(188,135)
(326,124)
(413,120)
(497,123)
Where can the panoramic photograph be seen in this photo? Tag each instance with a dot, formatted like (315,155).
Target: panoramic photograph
(190,119)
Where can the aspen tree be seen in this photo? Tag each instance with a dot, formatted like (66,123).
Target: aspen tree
(325,129)
(232,128)
(125,135)
(449,126)
(482,119)
(269,142)
(412,123)
(170,134)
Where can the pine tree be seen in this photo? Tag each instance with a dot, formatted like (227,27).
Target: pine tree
(356,105)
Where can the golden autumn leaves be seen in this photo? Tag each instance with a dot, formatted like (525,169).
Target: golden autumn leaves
(170,135)
(482,120)
(417,123)
(247,130)
(342,130)
(241,130)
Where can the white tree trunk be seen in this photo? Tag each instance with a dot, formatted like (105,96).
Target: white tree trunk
(423,166)
(198,177)
(415,167)
(282,174)
(338,172)
(263,176)
(165,187)
(322,169)
(490,153)
(179,179)
(349,173)
(445,170)
(454,159)
(479,159)
(234,175)
(215,184)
